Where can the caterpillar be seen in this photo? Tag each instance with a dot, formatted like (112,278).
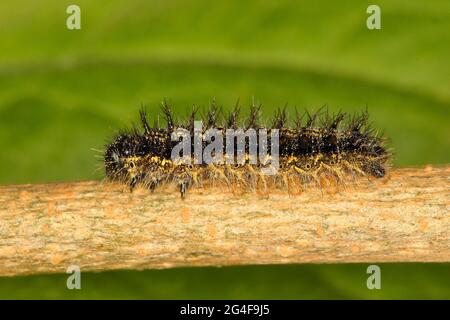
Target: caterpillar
(318,150)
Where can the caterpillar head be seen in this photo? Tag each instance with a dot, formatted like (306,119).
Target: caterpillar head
(122,155)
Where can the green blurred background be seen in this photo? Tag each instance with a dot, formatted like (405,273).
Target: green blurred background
(64,92)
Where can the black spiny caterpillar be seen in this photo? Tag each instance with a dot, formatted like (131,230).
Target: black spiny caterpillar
(319,150)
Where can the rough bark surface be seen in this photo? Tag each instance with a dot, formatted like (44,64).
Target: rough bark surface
(101,226)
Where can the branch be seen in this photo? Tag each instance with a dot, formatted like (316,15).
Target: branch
(102,226)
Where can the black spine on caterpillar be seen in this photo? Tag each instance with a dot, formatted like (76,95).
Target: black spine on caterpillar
(318,145)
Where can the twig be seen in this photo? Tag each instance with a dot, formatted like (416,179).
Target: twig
(101,226)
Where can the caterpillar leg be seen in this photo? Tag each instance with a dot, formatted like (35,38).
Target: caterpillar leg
(133,183)
(183,189)
(152,186)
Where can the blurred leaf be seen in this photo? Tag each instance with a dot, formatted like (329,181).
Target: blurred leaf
(66,92)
